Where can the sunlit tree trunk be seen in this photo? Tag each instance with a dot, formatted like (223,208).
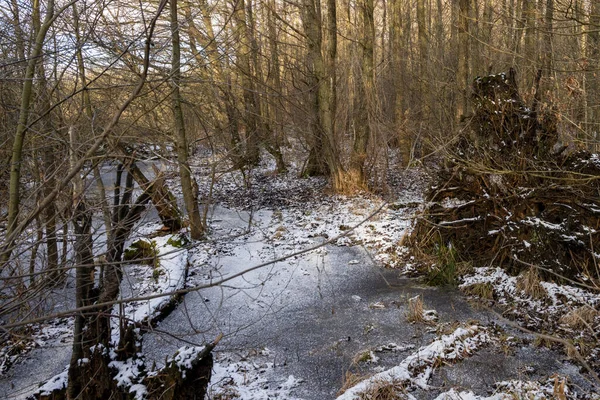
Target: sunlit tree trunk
(244,50)
(27,95)
(185,174)
(363,112)
(593,76)
(547,52)
(529,52)
(49,165)
(224,95)
(273,106)
(398,68)
(423,52)
(462,75)
(324,156)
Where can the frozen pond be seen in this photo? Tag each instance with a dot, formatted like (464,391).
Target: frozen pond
(303,322)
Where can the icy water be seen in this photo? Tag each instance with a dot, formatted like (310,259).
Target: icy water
(308,317)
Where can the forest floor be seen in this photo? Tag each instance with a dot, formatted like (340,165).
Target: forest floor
(343,319)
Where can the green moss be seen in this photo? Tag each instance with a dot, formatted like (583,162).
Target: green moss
(178,241)
(141,251)
(363,357)
(156,273)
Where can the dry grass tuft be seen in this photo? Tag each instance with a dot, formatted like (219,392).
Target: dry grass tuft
(529,282)
(415,310)
(348,183)
(350,380)
(384,390)
(580,317)
(228,394)
(559,388)
(483,290)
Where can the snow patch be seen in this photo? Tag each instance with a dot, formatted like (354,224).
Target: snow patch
(416,369)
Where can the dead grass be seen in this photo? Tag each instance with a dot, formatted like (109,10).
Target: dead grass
(350,380)
(415,310)
(384,390)
(348,183)
(559,388)
(228,394)
(580,317)
(484,290)
(529,282)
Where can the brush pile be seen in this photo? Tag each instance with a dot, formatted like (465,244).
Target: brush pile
(510,194)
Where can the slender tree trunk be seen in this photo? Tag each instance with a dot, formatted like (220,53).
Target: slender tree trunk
(593,76)
(423,55)
(463,73)
(84,283)
(27,93)
(49,168)
(19,36)
(253,135)
(487,29)
(311,21)
(529,53)
(274,80)
(364,87)
(398,57)
(187,185)
(474,22)
(222,81)
(547,54)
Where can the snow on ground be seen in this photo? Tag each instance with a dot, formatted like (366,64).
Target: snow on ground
(166,275)
(15,349)
(416,369)
(555,387)
(284,215)
(249,380)
(382,234)
(56,383)
(556,300)
(561,310)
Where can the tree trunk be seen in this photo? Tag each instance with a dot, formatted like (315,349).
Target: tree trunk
(252,134)
(222,81)
(364,95)
(423,55)
(311,22)
(274,80)
(162,198)
(49,168)
(529,52)
(84,283)
(462,75)
(398,46)
(547,53)
(187,186)
(26,99)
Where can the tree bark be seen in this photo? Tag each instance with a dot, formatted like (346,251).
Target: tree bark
(27,93)
(226,99)
(84,283)
(462,75)
(324,155)
(593,80)
(364,95)
(190,197)
(252,134)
